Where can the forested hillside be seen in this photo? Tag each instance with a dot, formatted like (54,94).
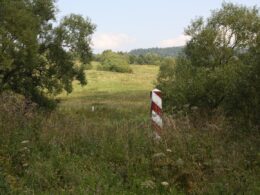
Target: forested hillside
(165,52)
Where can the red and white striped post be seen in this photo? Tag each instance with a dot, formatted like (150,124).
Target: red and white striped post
(156,112)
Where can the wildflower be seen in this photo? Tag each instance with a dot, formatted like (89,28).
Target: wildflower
(25,149)
(148,184)
(25,142)
(165,183)
(159,155)
(25,165)
(194,108)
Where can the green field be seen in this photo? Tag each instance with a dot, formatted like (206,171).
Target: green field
(142,79)
(120,93)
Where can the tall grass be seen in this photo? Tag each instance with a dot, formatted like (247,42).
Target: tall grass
(111,150)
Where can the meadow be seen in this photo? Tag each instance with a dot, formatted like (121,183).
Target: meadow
(111,150)
(113,89)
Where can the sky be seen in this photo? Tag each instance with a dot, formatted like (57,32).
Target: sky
(123,25)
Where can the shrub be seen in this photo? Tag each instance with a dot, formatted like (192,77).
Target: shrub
(114,62)
(220,65)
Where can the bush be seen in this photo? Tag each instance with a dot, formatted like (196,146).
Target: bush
(146,59)
(68,151)
(220,66)
(114,62)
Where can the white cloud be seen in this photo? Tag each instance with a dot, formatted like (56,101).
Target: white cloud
(179,41)
(114,41)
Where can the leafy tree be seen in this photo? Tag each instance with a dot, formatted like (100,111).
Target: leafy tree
(115,62)
(149,59)
(36,59)
(220,65)
(163,52)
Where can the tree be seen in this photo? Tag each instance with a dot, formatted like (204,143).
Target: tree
(220,65)
(115,62)
(36,59)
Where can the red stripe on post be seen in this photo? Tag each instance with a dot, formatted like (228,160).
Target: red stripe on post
(156,109)
(156,120)
(158,93)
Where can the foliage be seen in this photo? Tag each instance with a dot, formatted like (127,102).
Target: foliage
(36,59)
(115,62)
(162,52)
(142,59)
(149,58)
(220,67)
(69,151)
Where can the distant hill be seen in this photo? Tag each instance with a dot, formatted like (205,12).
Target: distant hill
(168,51)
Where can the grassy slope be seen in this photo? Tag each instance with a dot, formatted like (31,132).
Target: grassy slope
(119,93)
(101,82)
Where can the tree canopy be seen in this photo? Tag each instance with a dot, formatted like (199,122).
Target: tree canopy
(36,58)
(162,52)
(220,65)
(114,62)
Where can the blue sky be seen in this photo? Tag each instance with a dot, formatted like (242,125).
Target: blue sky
(123,25)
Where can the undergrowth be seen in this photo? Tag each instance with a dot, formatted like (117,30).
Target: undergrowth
(83,152)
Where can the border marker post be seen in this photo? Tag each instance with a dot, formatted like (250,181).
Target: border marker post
(156,112)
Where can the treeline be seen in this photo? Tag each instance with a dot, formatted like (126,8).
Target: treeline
(120,61)
(142,59)
(163,52)
(148,58)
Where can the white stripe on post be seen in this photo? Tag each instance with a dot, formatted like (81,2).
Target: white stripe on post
(157,100)
(157,119)
(156,111)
